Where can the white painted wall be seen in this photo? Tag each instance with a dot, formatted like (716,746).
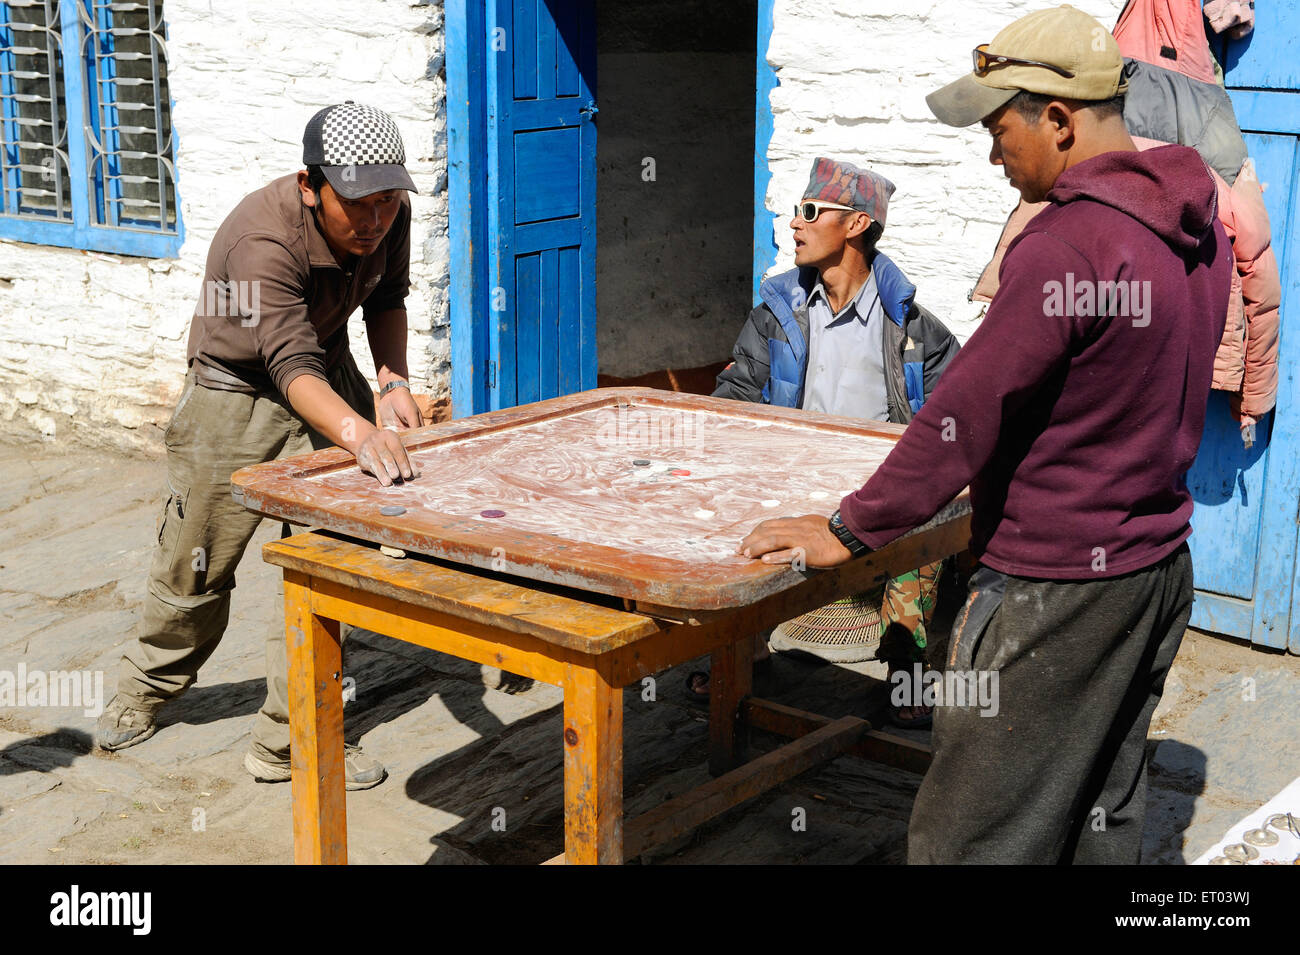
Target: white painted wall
(853,79)
(92,346)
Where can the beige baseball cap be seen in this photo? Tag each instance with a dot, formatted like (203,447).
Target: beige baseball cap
(1058,52)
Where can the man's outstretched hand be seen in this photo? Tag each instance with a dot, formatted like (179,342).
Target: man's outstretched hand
(382,455)
(378,451)
(398,410)
(782,540)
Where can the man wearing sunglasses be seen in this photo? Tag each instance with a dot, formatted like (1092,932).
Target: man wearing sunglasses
(1076,424)
(841,333)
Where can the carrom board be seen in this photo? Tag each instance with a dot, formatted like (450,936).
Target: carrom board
(632,492)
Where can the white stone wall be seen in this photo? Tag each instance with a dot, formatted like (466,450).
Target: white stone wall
(853,78)
(92,346)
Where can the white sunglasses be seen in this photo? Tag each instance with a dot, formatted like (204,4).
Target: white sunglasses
(810,209)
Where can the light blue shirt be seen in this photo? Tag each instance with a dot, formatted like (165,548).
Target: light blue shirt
(846,358)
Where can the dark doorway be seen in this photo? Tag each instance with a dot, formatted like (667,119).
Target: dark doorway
(674,182)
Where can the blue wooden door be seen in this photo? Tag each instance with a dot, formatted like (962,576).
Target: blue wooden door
(541,186)
(1244,544)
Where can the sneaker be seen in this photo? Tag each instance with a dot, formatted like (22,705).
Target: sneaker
(846,631)
(124,723)
(362,771)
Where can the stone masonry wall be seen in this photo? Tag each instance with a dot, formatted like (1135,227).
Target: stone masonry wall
(853,78)
(92,346)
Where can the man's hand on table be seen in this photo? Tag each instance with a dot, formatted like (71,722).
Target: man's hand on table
(382,455)
(379,452)
(398,409)
(782,540)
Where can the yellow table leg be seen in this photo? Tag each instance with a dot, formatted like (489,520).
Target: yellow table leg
(731,678)
(593,768)
(320,829)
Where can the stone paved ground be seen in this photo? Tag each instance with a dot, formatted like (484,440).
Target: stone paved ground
(463,743)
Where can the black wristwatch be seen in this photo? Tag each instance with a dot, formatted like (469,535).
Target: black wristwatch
(855,546)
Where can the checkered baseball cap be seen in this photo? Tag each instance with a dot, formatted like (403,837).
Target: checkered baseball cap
(358,148)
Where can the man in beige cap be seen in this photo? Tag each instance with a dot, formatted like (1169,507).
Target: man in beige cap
(1073,413)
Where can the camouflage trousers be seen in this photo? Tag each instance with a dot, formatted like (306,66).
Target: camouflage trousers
(906,608)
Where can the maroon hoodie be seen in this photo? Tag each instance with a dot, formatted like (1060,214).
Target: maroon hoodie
(1076,408)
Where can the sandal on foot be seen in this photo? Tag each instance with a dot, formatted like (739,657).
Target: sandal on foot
(922,722)
(697,687)
(762,671)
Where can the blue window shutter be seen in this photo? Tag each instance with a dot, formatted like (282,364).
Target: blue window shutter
(116,129)
(1244,542)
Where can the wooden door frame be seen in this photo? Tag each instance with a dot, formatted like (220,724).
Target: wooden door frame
(1275,618)
(465,26)
(1271,618)
(765,81)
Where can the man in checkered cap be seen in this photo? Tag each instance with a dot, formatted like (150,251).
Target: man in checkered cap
(841,333)
(271,374)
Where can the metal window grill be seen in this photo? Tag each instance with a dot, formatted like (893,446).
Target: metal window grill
(130,174)
(34,173)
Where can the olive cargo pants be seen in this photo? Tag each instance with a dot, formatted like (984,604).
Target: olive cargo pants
(202,535)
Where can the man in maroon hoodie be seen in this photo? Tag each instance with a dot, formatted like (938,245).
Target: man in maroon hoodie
(1073,412)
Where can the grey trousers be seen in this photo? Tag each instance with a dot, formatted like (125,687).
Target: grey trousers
(1059,774)
(202,534)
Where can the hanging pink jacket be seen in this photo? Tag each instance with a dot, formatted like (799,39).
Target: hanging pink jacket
(1147,27)
(1237,17)
(1246,361)
(1170,34)
(1247,365)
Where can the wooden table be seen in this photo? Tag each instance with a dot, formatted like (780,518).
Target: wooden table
(630,492)
(590,645)
(615,513)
